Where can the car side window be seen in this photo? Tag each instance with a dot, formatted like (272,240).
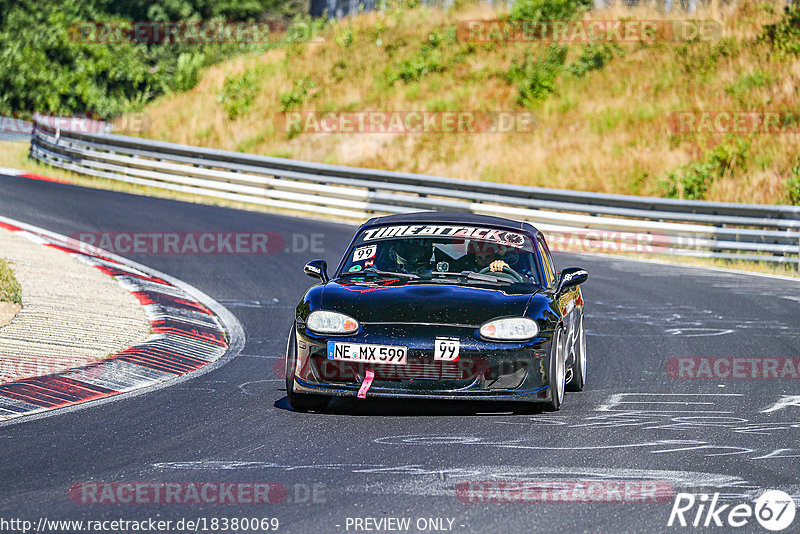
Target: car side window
(547,263)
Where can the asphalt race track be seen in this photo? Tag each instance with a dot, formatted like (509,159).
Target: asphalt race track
(635,422)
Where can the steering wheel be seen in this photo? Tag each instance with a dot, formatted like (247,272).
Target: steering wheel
(507,270)
(511,258)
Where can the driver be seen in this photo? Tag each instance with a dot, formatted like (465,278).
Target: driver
(482,254)
(413,256)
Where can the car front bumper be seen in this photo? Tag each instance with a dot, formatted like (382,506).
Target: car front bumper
(511,371)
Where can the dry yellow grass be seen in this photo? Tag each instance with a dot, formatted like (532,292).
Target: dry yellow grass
(606,131)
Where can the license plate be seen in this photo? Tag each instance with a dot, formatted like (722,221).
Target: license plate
(358,352)
(446,350)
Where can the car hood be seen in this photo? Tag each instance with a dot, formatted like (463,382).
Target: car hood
(396,301)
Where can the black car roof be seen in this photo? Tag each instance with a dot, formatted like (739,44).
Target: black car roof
(450,217)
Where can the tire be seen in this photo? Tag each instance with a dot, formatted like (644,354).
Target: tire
(302,402)
(578,381)
(558,373)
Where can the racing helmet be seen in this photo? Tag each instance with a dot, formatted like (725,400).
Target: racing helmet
(411,254)
(485,249)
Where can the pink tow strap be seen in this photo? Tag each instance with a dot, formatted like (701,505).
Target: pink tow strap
(362,392)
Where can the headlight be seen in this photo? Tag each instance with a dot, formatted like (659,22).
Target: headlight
(326,322)
(511,329)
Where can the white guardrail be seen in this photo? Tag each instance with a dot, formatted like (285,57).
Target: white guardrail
(573,220)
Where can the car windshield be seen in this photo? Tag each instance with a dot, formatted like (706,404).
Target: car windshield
(443,253)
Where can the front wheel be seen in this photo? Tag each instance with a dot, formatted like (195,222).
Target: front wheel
(578,381)
(557,376)
(302,402)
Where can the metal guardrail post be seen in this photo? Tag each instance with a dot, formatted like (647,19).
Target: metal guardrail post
(33,137)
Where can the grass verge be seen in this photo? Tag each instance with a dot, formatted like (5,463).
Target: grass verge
(10,290)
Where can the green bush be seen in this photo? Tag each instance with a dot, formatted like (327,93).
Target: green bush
(547,9)
(728,47)
(699,59)
(47,66)
(693,180)
(10,290)
(297,95)
(593,57)
(784,35)
(535,77)
(239,91)
(187,71)
(345,38)
(793,187)
(426,61)
(44,69)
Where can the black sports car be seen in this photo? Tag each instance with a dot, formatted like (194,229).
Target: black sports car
(440,306)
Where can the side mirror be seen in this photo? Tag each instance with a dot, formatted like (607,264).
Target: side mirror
(571,277)
(317,269)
